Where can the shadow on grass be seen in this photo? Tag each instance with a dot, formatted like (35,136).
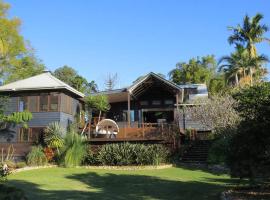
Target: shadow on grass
(121,187)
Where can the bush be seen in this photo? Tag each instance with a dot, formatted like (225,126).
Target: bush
(249,148)
(4,172)
(218,151)
(129,154)
(21,164)
(91,158)
(74,150)
(36,156)
(54,136)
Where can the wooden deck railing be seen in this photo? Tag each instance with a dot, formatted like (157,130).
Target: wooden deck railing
(141,131)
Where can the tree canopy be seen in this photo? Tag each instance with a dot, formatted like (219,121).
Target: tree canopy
(196,70)
(71,77)
(17,58)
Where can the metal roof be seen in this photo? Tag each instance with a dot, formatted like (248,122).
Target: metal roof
(44,81)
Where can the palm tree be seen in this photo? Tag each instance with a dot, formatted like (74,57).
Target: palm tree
(248,35)
(239,63)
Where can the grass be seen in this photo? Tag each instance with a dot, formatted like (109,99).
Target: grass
(79,183)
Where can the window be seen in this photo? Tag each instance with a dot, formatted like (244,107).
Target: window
(33,103)
(53,102)
(43,102)
(22,104)
(24,135)
(144,103)
(156,102)
(168,102)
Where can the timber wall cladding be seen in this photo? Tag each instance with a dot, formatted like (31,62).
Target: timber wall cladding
(20,149)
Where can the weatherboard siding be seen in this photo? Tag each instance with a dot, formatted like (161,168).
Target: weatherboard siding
(42,119)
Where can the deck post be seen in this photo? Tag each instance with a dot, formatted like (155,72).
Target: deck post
(128,112)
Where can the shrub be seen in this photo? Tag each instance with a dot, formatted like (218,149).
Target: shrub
(91,159)
(249,148)
(49,153)
(4,172)
(21,164)
(129,154)
(74,151)
(219,150)
(54,136)
(36,156)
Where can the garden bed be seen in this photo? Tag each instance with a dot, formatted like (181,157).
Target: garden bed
(139,167)
(247,193)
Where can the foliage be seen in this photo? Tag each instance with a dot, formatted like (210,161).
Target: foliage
(53,137)
(248,35)
(219,149)
(4,171)
(36,156)
(249,148)
(217,113)
(25,67)
(21,164)
(197,70)
(74,150)
(14,118)
(128,154)
(17,118)
(217,85)
(71,77)
(98,102)
(17,59)
(236,67)
(49,153)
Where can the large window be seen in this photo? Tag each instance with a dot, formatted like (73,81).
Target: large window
(43,102)
(23,104)
(33,103)
(54,102)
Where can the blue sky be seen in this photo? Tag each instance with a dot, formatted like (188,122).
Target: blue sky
(131,37)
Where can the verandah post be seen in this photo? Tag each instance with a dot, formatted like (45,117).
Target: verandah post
(128,113)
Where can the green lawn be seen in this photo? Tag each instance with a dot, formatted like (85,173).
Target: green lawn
(72,183)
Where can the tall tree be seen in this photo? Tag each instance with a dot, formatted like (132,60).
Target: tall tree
(248,35)
(237,65)
(17,59)
(197,70)
(71,77)
(66,74)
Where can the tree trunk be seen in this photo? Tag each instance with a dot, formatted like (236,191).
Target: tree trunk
(99,115)
(236,80)
(251,76)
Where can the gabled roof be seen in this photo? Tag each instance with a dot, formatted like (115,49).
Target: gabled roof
(44,81)
(140,81)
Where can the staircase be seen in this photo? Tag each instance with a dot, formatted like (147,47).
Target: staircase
(197,152)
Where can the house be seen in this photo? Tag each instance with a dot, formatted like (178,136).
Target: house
(149,104)
(47,98)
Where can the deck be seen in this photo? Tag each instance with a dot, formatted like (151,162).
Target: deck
(137,132)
